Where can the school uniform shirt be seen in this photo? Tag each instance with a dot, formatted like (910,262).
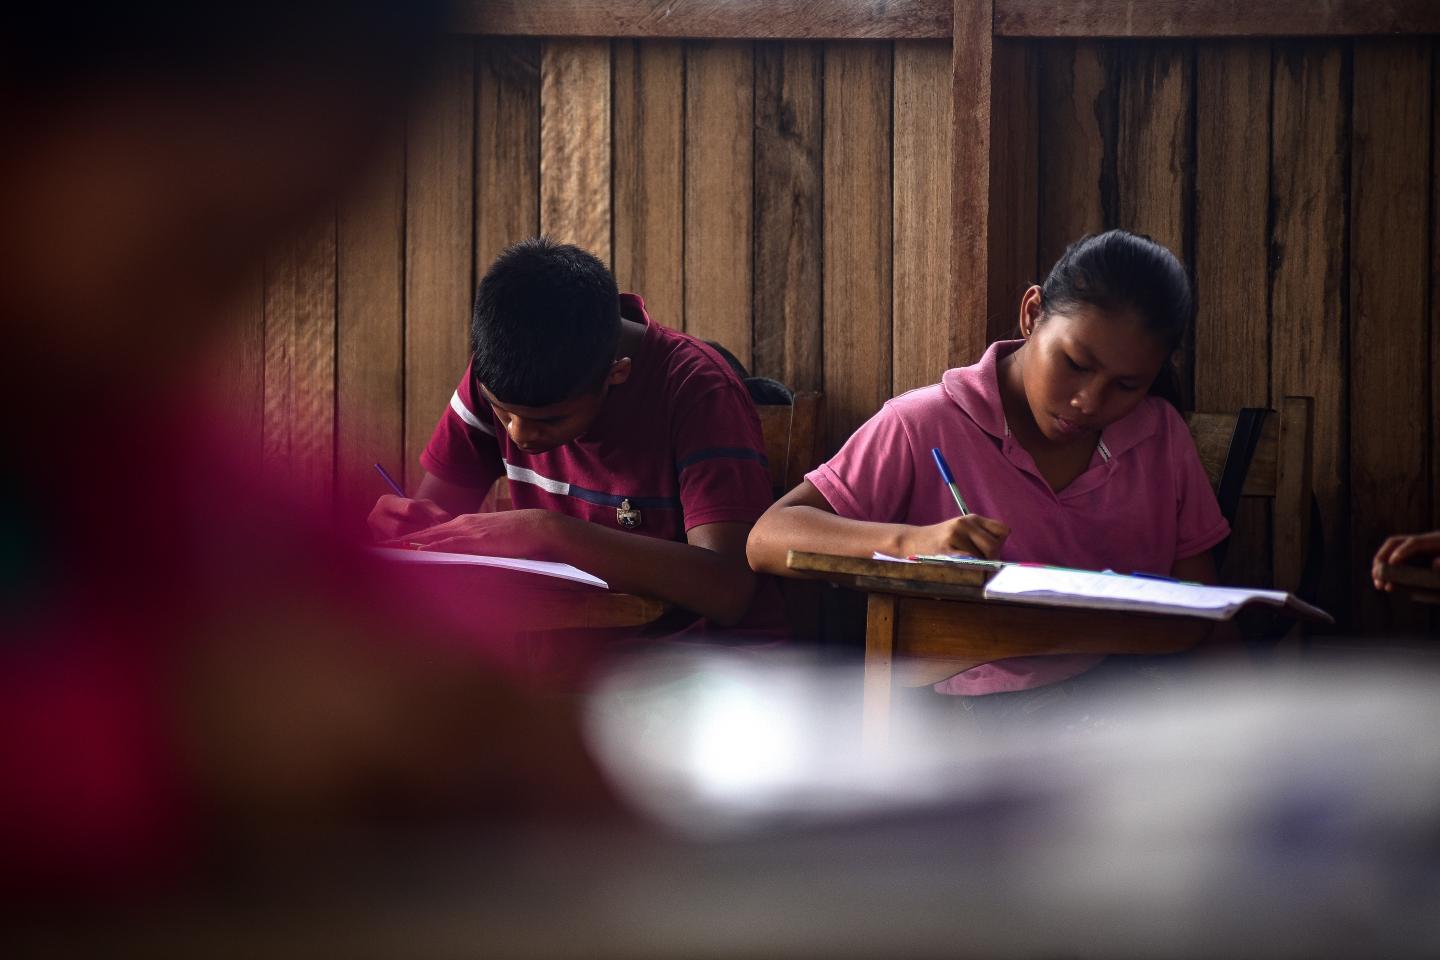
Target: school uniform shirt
(1143,503)
(676,446)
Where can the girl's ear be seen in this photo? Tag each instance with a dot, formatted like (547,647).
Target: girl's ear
(1030,311)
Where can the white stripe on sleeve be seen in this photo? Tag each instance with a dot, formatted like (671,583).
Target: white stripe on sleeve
(470,419)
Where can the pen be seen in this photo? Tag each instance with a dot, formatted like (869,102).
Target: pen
(389,480)
(949,479)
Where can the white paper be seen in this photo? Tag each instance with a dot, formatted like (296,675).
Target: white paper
(544,568)
(885,556)
(1109,591)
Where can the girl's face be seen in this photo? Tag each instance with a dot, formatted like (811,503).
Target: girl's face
(1084,368)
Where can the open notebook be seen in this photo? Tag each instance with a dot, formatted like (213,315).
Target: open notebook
(543,568)
(1058,586)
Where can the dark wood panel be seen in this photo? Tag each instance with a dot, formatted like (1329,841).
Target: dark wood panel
(575,143)
(370,342)
(507,146)
(240,361)
(974,118)
(1307,251)
(649,96)
(1077,145)
(1213,18)
(719,192)
(922,324)
(1232,202)
(789,84)
(439,256)
(714,19)
(858,90)
(299,443)
(1014,184)
(1389,282)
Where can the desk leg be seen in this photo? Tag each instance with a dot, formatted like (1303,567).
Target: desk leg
(881,615)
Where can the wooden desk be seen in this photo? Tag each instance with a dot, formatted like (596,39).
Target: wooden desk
(1418,583)
(927,622)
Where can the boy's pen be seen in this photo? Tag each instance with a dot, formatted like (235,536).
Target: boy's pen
(949,479)
(389,480)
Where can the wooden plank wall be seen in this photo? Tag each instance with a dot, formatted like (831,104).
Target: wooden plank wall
(790,199)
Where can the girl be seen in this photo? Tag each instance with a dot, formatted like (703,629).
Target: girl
(1060,441)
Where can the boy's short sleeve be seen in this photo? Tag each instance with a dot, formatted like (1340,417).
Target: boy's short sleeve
(872,475)
(1199,524)
(719,453)
(463,449)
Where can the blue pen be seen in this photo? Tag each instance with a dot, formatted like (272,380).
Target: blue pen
(949,479)
(389,480)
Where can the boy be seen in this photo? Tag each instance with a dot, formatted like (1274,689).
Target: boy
(633,451)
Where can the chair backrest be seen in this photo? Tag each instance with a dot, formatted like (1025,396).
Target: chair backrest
(792,438)
(1282,470)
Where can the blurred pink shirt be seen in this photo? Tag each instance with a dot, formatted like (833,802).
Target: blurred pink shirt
(1143,503)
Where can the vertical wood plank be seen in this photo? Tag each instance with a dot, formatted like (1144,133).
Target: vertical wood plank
(857,242)
(1077,144)
(241,362)
(789,80)
(370,341)
(922,200)
(439,255)
(575,143)
(1232,202)
(719,192)
(507,145)
(1014,185)
(1154,167)
(974,120)
(1307,273)
(1389,283)
(300,361)
(649,174)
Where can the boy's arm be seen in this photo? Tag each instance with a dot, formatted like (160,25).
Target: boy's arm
(707,574)
(804,520)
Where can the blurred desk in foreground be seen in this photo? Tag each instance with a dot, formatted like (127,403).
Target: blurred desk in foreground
(928,622)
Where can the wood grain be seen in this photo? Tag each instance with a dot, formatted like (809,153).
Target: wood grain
(719,193)
(241,366)
(370,345)
(789,83)
(857,292)
(1077,145)
(1308,309)
(1014,184)
(439,257)
(974,121)
(1213,18)
(299,442)
(507,146)
(649,101)
(1232,204)
(712,19)
(923,328)
(1389,281)
(575,143)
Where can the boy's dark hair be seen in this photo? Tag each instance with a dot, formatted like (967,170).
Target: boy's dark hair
(546,324)
(1119,271)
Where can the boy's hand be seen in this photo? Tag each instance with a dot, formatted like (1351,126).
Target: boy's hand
(974,535)
(527,534)
(394,517)
(1405,548)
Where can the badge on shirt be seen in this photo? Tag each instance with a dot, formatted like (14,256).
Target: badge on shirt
(627,516)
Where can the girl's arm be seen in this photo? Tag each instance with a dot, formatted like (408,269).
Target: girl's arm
(804,520)
(1199,568)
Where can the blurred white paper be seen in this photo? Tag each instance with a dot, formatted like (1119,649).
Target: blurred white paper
(1057,586)
(543,568)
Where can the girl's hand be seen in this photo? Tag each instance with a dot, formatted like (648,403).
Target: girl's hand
(974,535)
(393,516)
(1406,548)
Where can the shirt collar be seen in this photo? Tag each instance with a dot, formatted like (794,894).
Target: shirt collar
(976,390)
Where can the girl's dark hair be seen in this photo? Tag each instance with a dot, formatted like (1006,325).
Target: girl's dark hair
(1118,271)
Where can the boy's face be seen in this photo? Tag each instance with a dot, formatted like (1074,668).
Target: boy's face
(541,429)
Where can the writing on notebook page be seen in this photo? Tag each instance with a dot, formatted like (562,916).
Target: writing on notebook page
(543,568)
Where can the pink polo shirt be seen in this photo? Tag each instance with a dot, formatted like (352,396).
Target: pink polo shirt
(1143,503)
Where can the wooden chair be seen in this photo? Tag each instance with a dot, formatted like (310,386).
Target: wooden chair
(792,438)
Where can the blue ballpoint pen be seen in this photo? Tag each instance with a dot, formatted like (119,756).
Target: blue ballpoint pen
(949,479)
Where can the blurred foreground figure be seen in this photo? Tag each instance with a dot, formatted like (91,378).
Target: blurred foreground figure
(186,656)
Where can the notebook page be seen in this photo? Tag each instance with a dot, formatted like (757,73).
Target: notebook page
(1116,592)
(544,568)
